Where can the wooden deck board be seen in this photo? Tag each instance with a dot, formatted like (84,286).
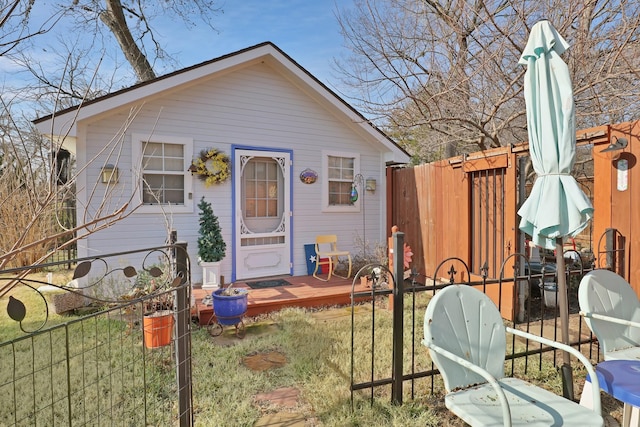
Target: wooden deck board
(303,291)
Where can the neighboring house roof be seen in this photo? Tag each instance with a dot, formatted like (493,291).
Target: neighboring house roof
(64,122)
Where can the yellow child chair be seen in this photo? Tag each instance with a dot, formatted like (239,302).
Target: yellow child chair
(327,253)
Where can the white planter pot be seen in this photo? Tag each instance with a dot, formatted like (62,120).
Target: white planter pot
(550,291)
(210,275)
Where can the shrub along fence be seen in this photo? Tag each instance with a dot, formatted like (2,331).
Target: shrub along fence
(105,364)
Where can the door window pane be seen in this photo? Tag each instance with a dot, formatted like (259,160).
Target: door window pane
(262,194)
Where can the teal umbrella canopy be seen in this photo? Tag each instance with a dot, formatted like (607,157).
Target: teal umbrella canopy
(556,207)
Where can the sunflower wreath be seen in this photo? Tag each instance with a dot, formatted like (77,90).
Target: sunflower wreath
(212,167)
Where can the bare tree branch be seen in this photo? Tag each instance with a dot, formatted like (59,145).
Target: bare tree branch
(442,77)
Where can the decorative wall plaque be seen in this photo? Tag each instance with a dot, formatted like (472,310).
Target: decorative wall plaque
(308,176)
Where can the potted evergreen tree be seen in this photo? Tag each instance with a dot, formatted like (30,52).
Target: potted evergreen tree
(211,246)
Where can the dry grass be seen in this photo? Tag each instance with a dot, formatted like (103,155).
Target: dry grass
(318,355)
(317,346)
(20,226)
(316,349)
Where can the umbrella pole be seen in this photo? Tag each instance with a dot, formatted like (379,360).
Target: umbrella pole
(563,303)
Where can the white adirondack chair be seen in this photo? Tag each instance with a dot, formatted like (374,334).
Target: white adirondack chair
(612,311)
(466,339)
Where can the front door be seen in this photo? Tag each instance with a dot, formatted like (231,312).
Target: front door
(263,213)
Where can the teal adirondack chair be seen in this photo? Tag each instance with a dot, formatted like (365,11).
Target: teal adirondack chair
(466,338)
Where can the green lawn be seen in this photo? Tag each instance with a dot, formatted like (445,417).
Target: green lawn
(106,373)
(104,368)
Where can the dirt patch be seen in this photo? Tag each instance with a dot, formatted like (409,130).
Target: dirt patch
(333,313)
(265,360)
(229,335)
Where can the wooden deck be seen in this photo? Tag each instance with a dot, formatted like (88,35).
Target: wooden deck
(303,291)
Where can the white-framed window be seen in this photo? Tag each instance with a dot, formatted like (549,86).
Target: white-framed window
(162,181)
(338,172)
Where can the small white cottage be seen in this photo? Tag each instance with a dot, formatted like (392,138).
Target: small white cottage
(295,151)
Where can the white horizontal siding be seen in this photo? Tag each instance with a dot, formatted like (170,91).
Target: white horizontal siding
(253,107)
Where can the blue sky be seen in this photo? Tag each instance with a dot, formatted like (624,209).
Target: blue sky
(306,30)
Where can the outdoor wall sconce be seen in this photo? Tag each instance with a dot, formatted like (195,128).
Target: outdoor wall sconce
(370,184)
(109,174)
(619,144)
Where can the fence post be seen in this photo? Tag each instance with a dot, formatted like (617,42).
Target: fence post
(183,354)
(181,259)
(390,243)
(398,317)
(610,247)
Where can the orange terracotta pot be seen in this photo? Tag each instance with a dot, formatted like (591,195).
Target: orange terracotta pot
(158,328)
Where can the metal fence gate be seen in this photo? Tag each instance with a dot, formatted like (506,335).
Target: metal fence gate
(101,365)
(487,213)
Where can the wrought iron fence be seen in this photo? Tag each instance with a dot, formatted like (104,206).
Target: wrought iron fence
(105,364)
(405,369)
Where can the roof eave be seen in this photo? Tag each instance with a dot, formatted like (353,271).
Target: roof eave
(64,122)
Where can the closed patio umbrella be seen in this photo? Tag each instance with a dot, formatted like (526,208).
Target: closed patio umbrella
(557,207)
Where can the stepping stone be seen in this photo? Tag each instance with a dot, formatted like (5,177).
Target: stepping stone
(286,397)
(264,360)
(281,419)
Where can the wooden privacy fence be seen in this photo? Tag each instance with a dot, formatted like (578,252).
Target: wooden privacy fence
(463,207)
(466,207)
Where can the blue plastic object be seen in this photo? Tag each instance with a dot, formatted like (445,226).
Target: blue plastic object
(229,309)
(621,379)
